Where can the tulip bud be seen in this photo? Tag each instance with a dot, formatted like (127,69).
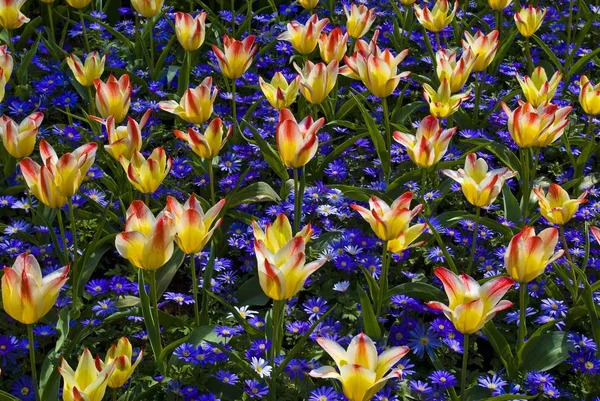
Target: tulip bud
(276,235)
(456,72)
(308,4)
(408,2)
(236,56)
(190,31)
(26,296)
(499,5)
(10,15)
(297,142)
(359,20)
(86,73)
(333,46)
(304,37)
(121,353)
(529,19)
(123,141)
(88,382)
(78,4)
(538,89)
(441,102)
(19,140)
(317,80)
(531,127)
(113,97)
(279,93)
(147,8)
(147,175)
(480,186)
(484,48)
(2,84)
(439,17)
(527,254)
(6,62)
(196,104)
(406,239)
(430,143)
(557,206)
(589,96)
(209,145)
(471,306)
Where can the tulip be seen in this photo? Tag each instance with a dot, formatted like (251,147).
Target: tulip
(308,4)
(209,145)
(362,371)
(26,295)
(456,72)
(113,97)
(147,8)
(146,175)
(442,103)
(595,232)
(499,5)
(6,62)
(361,49)
(388,221)
(10,15)
(193,226)
(190,30)
(556,129)
(236,56)
(589,96)
(471,306)
(527,254)
(121,354)
(359,20)
(282,274)
(379,73)
(124,141)
(2,84)
(19,140)
(147,241)
(438,17)
(79,4)
(86,73)
(537,89)
(529,19)
(531,127)
(279,93)
(484,48)
(557,206)
(408,2)
(317,80)
(304,38)
(276,235)
(196,104)
(297,142)
(333,46)
(430,143)
(88,382)
(480,186)
(407,238)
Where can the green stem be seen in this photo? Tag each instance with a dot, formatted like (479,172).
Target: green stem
(147,199)
(437,41)
(233,18)
(528,55)
(499,22)
(61,227)
(297,202)
(480,83)
(383,279)
(429,47)
(526,181)
(465,361)
(75,248)
(211,180)
(388,134)
(51,22)
(91,107)
(474,240)
(571,265)
(277,315)
(114,394)
(195,289)
(151,48)
(85,37)
(569,26)
(154,300)
(234,109)
(32,362)
(522,317)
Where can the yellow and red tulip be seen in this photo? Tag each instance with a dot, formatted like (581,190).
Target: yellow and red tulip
(146,175)
(408,2)
(78,4)
(455,71)
(333,46)
(308,4)
(480,186)
(537,89)
(589,96)
(358,20)
(279,92)
(6,62)
(124,140)
(360,369)
(317,80)
(88,382)
(11,16)
(2,85)
(209,145)
(536,127)
(557,206)
(439,17)
(86,73)
(147,8)
(595,232)
(527,254)
(19,140)
(388,221)
(297,142)
(193,227)
(407,238)
(484,48)
(499,5)
(304,38)
(276,235)
(147,241)
(442,103)
(430,143)
(470,305)
(529,19)
(236,56)
(113,97)
(26,295)
(196,104)
(121,353)
(190,30)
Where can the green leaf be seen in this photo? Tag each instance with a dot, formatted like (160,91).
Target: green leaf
(582,61)
(450,219)
(422,291)
(501,347)
(118,35)
(335,153)
(4,396)
(360,194)
(236,359)
(545,352)
(196,336)
(148,316)
(508,397)
(250,293)
(255,192)
(548,52)
(371,283)
(512,211)
(370,322)
(408,110)
(269,154)
(165,274)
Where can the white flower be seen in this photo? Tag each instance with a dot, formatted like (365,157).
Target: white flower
(342,286)
(243,311)
(260,366)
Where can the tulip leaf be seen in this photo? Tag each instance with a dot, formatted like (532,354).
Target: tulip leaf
(501,347)
(236,359)
(206,283)
(255,192)
(195,337)
(371,283)
(449,219)
(153,335)
(250,293)
(548,52)
(165,274)
(422,291)
(271,156)
(545,352)
(408,110)
(361,194)
(370,323)
(118,35)
(4,396)
(512,211)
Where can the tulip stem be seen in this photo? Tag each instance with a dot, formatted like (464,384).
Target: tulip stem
(32,362)
(234,109)
(51,22)
(91,98)
(388,135)
(383,279)
(528,55)
(147,199)
(297,200)
(114,394)
(211,180)
(526,190)
(437,41)
(569,26)
(85,37)
(522,316)
(571,265)
(429,47)
(277,317)
(480,83)
(474,240)
(75,268)
(154,300)
(151,47)
(195,289)
(61,227)
(463,377)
